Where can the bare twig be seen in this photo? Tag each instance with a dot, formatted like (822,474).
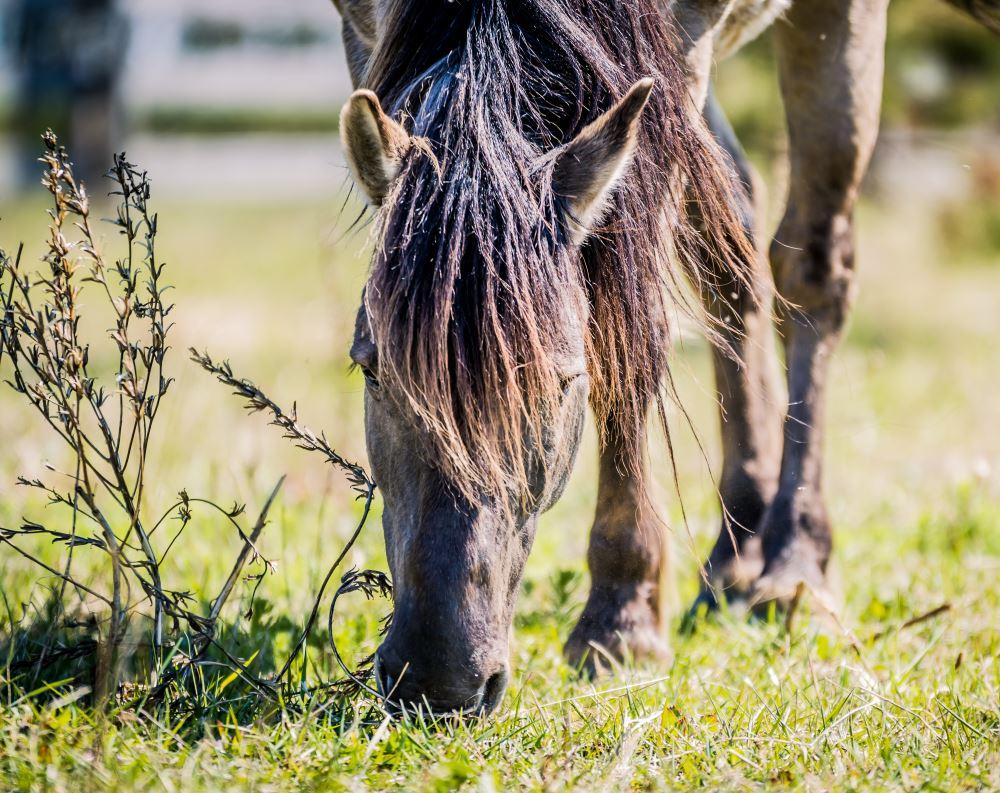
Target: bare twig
(929,615)
(368,581)
(249,547)
(258,401)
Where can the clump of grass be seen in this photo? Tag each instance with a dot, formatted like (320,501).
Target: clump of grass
(106,415)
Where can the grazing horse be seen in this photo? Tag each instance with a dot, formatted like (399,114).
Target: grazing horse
(547,177)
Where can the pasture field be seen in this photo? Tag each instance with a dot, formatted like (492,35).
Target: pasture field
(863,701)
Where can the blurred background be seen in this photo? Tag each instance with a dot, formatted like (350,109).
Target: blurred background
(179,83)
(232,107)
(182,83)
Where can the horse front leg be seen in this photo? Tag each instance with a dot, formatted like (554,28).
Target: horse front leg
(622,617)
(830,55)
(750,408)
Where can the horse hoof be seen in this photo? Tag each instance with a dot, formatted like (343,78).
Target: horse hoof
(796,570)
(616,629)
(728,586)
(593,658)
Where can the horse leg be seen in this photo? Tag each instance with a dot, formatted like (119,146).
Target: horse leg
(697,23)
(748,388)
(622,616)
(830,55)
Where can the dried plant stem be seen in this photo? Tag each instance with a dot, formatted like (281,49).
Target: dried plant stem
(249,547)
(205,636)
(107,430)
(314,614)
(361,483)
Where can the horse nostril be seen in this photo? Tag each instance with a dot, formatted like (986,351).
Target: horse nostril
(493,692)
(383,680)
(438,695)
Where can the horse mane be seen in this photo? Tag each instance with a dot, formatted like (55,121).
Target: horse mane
(472,278)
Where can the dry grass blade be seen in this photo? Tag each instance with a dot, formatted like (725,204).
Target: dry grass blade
(920,618)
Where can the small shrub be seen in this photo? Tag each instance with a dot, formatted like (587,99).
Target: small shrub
(129,618)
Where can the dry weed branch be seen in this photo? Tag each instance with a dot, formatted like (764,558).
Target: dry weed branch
(370,582)
(103,402)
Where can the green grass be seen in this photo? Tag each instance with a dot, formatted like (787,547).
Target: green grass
(912,478)
(228,121)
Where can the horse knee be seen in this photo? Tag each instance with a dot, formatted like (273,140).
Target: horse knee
(813,266)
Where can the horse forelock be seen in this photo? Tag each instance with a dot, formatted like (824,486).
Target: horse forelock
(472,279)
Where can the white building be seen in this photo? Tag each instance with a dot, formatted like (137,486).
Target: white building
(274,56)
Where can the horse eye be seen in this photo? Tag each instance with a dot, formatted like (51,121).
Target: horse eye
(370,378)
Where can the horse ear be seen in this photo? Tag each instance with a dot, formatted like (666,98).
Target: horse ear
(373,143)
(592,163)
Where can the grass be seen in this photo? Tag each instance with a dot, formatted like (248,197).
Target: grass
(228,121)
(866,704)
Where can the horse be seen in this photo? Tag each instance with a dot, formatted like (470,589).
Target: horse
(553,182)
